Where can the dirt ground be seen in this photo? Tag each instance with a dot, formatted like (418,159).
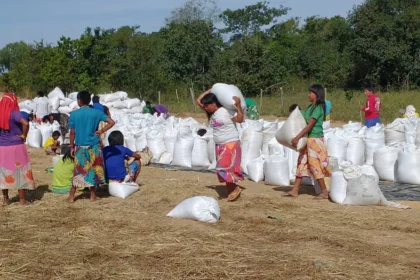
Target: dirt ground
(133,239)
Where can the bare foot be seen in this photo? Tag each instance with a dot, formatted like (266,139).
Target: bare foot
(25,203)
(324,195)
(5,200)
(70,199)
(293,193)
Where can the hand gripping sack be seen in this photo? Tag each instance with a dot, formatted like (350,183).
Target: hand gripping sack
(183,148)
(256,170)
(122,190)
(291,128)
(199,208)
(276,171)
(384,161)
(408,165)
(225,94)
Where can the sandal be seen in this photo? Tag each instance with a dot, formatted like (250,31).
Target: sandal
(234,195)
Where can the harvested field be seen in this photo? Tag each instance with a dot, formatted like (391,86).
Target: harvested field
(132,238)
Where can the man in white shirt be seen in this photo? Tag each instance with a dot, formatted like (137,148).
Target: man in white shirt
(42,106)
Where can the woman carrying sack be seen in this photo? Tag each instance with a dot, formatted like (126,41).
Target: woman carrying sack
(313,160)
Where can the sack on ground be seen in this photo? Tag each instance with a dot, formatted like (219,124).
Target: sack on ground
(276,171)
(122,190)
(199,208)
(256,170)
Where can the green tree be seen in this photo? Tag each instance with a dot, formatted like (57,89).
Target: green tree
(12,54)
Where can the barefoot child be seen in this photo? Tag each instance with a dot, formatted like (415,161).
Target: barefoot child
(52,145)
(115,155)
(226,137)
(313,160)
(85,145)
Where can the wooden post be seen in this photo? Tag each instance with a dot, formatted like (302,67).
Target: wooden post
(325,93)
(159,96)
(177,98)
(281,96)
(261,99)
(193,99)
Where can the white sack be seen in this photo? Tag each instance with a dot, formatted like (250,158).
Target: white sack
(65,110)
(111,97)
(122,95)
(66,102)
(375,140)
(56,93)
(363,190)
(55,103)
(292,156)
(291,128)
(27,105)
(225,94)
(269,133)
(34,138)
(73,96)
(119,104)
(410,131)
(384,161)
(141,142)
(200,156)
(130,142)
(337,145)
(171,135)
(352,126)
(355,152)
(408,165)
(183,148)
(46,132)
(55,159)
(74,105)
(156,143)
(395,132)
(211,149)
(166,158)
(256,170)
(131,103)
(122,190)
(199,208)
(369,170)
(338,188)
(276,171)
(275,148)
(251,143)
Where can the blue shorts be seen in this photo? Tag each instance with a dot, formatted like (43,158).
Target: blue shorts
(372,122)
(133,168)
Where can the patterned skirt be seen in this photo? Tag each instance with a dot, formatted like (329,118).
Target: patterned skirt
(89,167)
(228,168)
(15,168)
(313,160)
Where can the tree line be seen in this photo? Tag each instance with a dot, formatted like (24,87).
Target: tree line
(256,47)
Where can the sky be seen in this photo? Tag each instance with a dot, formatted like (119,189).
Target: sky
(33,20)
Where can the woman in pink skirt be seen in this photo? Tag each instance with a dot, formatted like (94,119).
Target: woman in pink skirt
(15,167)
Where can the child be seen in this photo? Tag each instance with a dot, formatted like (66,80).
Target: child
(115,155)
(313,160)
(52,145)
(410,112)
(226,137)
(63,173)
(84,145)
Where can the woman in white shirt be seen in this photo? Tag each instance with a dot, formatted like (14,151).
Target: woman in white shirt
(226,137)
(42,106)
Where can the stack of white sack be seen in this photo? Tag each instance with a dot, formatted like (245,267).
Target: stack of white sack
(352,186)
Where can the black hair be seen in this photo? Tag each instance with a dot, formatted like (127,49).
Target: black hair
(370,88)
(66,151)
(210,98)
(46,118)
(95,99)
(293,107)
(148,102)
(319,91)
(116,138)
(31,115)
(41,94)
(202,132)
(56,133)
(84,96)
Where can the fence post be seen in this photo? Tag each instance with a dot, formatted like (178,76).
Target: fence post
(281,96)
(193,99)
(325,93)
(159,96)
(261,99)
(177,98)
